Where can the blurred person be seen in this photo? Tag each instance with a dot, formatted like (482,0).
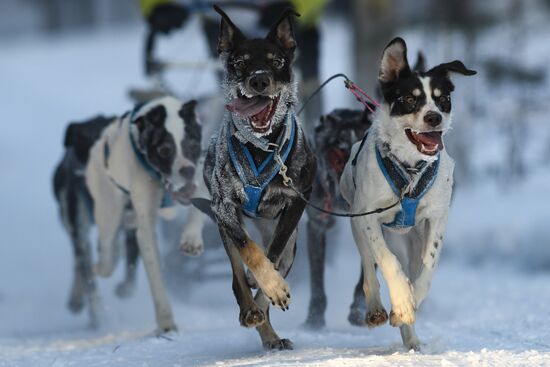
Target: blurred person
(308,36)
(166,16)
(162,17)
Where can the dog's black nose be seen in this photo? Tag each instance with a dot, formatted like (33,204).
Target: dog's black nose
(187,172)
(259,82)
(432,118)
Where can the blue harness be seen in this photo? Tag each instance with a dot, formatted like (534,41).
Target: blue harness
(399,180)
(255,179)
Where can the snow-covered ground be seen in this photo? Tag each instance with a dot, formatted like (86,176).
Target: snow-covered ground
(489,304)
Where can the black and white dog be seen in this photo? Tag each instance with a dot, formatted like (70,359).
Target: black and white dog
(139,157)
(76,210)
(402,158)
(260,142)
(332,141)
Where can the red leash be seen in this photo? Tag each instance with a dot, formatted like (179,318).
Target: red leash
(360,94)
(357,92)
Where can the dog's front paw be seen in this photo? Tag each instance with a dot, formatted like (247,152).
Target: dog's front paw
(315,322)
(191,244)
(192,248)
(76,303)
(251,317)
(412,344)
(104,268)
(376,317)
(278,344)
(165,328)
(125,289)
(276,289)
(403,306)
(356,316)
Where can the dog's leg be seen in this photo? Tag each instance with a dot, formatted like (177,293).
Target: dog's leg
(270,339)
(265,228)
(146,196)
(86,224)
(84,286)
(68,201)
(409,256)
(76,298)
(281,252)
(250,315)
(316,245)
(286,227)
(191,242)
(376,315)
(91,288)
(268,278)
(358,307)
(109,203)
(409,337)
(371,242)
(431,250)
(126,288)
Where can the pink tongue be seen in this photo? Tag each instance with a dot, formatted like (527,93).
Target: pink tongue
(247,107)
(430,139)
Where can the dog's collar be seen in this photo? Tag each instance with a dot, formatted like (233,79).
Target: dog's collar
(256,178)
(410,184)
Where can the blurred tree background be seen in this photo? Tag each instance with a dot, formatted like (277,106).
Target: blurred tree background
(502,115)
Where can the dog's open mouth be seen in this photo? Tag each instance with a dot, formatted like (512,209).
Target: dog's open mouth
(258,109)
(428,143)
(185,194)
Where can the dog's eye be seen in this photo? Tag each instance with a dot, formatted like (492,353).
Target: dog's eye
(410,99)
(165,151)
(278,63)
(239,64)
(443,99)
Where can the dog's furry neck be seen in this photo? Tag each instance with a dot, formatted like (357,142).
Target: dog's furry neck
(390,137)
(288,98)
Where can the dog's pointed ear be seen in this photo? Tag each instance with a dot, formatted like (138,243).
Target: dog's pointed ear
(420,64)
(452,67)
(394,61)
(152,119)
(71,135)
(229,33)
(156,116)
(187,111)
(282,31)
(140,123)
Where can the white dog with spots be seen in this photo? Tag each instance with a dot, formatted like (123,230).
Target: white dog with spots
(402,159)
(140,157)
